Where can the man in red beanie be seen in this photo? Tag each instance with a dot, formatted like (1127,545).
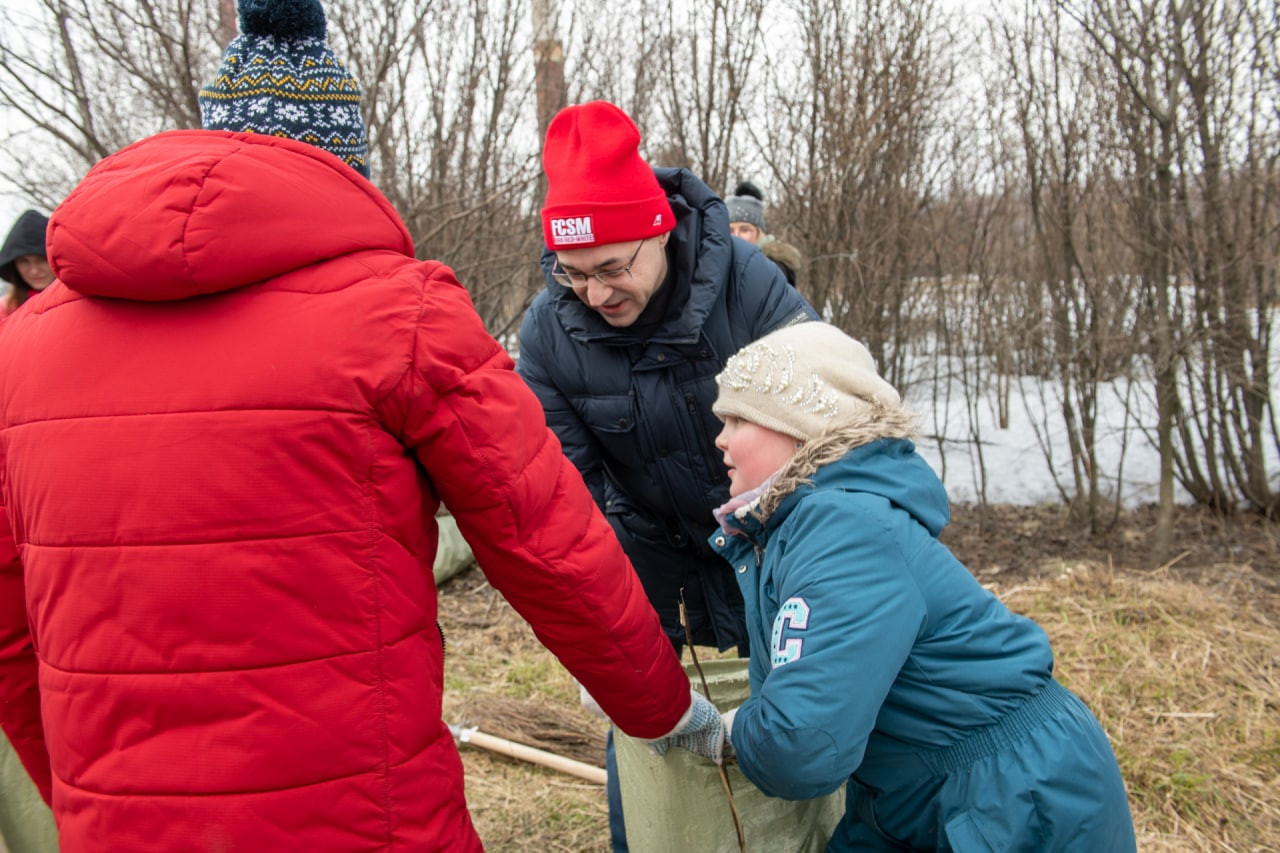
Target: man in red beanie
(647,295)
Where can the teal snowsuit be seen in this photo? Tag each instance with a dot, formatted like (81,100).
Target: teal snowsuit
(878,659)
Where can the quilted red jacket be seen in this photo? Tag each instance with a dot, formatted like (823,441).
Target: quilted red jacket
(223,439)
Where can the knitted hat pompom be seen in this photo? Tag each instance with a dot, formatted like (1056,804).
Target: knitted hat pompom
(287,19)
(746,205)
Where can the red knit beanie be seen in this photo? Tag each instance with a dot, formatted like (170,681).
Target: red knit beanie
(599,189)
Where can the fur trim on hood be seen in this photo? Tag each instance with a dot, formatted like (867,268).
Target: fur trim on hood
(786,256)
(784,253)
(868,425)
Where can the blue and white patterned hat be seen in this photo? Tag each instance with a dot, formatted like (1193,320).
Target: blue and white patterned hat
(279,77)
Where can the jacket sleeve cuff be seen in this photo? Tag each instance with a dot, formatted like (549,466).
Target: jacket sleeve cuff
(728,716)
(684,721)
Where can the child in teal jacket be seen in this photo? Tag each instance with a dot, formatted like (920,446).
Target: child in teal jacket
(877,659)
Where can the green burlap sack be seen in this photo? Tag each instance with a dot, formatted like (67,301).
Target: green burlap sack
(26,824)
(453,554)
(678,803)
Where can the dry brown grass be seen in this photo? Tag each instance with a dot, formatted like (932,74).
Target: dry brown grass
(1186,679)
(1183,669)
(501,680)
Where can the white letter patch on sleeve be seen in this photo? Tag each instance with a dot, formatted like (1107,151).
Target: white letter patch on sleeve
(793,616)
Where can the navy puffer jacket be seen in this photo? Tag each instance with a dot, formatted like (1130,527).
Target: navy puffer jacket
(635,415)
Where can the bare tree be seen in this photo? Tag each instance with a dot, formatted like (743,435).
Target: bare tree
(682,71)
(972,326)
(849,131)
(711,48)
(548,63)
(1115,185)
(1073,279)
(1227,226)
(445,87)
(1190,79)
(87,78)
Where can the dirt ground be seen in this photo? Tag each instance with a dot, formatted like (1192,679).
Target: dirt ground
(1013,543)
(1176,655)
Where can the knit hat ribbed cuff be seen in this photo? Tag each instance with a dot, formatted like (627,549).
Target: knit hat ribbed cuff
(727,406)
(574,226)
(280,78)
(744,208)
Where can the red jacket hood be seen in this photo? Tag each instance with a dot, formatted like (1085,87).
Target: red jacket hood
(218,627)
(185,213)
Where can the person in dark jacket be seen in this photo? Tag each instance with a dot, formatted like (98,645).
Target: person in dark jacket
(647,295)
(878,658)
(23,263)
(746,220)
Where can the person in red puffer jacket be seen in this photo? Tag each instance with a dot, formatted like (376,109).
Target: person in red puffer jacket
(224,435)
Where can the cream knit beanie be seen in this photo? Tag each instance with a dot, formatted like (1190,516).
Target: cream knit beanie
(801,380)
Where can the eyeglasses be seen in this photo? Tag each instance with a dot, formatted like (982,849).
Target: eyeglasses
(579,279)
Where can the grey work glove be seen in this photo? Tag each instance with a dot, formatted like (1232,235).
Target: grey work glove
(700,730)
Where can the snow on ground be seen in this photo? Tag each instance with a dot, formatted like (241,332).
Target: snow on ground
(1019,470)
